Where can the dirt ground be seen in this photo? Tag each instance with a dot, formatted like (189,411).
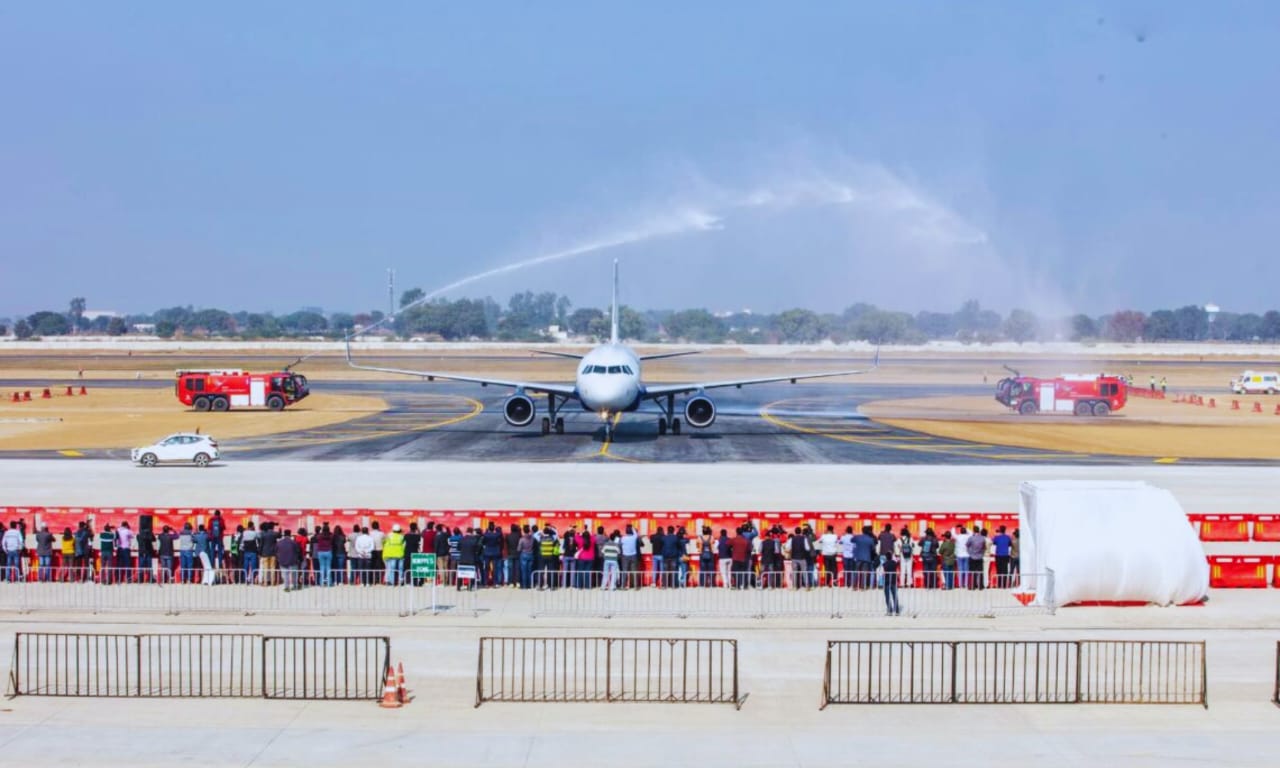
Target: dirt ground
(1144,428)
(125,418)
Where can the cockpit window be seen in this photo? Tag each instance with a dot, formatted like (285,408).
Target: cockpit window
(626,369)
(615,369)
(593,369)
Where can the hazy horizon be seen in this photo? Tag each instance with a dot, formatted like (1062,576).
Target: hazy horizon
(255,157)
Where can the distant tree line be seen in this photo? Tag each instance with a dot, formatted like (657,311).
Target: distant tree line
(529,316)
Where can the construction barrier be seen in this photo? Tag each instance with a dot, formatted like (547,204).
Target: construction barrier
(1223,527)
(1014,672)
(608,669)
(1238,571)
(1266,528)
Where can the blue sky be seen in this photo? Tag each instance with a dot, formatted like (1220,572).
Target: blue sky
(1059,157)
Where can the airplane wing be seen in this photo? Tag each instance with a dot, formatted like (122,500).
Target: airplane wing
(662,390)
(570,355)
(670,354)
(564,390)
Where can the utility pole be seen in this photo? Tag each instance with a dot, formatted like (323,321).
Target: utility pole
(391,292)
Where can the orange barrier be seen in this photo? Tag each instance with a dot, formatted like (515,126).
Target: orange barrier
(1223,527)
(1238,572)
(1266,528)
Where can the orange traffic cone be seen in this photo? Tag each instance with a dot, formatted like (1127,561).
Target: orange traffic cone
(26,396)
(1257,407)
(390,698)
(47,394)
(1235,405)
(401,692)
(83,391)
(17,398)
(69,392)
(1278,409)
(1213,403)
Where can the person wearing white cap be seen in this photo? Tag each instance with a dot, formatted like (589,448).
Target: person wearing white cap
(393,554)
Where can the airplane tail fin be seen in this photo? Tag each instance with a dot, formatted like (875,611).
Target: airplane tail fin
(613,312)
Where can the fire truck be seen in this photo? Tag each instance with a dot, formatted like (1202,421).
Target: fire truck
(217,390)
(1081,394)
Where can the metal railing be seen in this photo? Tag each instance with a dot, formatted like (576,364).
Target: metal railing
(198,666)
(554,595)
(1015,672)
(1275,692)
(608,669)
(134,591)
(325,667)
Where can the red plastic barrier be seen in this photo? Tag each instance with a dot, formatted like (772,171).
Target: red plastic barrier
(1224,527)
(1238,572)
(1266,528)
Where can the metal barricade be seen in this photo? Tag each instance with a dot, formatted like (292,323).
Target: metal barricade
(325,667)
(605,669)
(200,666)
(1015,672)
(1143,672)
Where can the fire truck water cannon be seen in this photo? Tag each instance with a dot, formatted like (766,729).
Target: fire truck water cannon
(1079,394)
(222,390)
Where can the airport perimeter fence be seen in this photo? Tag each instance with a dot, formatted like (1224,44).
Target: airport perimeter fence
(607,670)
(133,591)
(198,666)
(1015,672)
(555,595)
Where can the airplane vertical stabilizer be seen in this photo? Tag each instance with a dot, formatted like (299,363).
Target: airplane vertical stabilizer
(613,313)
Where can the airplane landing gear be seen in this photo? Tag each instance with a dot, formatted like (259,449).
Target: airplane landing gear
(675,426)
(560,425)
(668,422)
(662,425)
(546,425)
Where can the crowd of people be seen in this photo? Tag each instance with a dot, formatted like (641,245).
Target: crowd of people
(522,556)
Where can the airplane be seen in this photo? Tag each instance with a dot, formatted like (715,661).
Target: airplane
(608,382)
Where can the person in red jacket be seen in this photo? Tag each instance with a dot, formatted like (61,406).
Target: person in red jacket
(740,552)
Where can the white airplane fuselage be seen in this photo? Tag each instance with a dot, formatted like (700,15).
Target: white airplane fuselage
(608,380)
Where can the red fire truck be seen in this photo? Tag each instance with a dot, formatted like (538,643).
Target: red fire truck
(1081,394)
(213,390)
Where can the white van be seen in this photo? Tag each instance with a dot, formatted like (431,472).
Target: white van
(1256,383)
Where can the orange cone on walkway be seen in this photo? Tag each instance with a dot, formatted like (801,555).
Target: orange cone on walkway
(1257,407)
(69,392)
(390,699)
(47,394)
(1213,403)
(17,398)
(1235,405)
(401,693)
(26,396)
(83,391)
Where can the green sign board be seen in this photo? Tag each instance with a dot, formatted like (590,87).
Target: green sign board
(422,566)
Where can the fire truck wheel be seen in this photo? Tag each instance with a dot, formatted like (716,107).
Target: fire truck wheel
(1084,408)
(1028,407)
(275,403)
(202,459)
(219,404)
(201,404)
(1101,409)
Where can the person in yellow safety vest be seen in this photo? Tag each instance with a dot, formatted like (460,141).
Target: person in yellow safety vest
(393,555)
(549,549)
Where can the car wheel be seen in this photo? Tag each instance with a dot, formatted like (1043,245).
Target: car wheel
(148,460)
(275,403)
(219,404)
(201,403)
(202,459)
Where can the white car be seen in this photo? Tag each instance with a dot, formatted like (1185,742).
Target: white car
(184,447)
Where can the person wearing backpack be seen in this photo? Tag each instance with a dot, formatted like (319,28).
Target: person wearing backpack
(907,546)
(929,558)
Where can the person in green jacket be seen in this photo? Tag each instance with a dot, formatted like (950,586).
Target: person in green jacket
(947,551)
(393,555)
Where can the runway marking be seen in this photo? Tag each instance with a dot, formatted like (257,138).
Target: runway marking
(888,441)
(1168,460)
(303,438)
(71,454)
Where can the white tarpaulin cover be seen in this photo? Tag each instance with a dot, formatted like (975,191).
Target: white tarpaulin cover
(1111,541)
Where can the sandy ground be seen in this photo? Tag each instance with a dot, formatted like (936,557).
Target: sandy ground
(123,418)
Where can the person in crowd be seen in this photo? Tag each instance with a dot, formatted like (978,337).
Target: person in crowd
(441,548)
(468,559)
(307,561)
(106,554)
(977,546)
(208,572)
(491,556)
(455,542)
(586,557)
(846,555)
(44,554)
(947,554)
(1002,542)
(611,551)
(549,559)
(268,538)
(799,559)
(657,540)
(146,542)
(511,550)
(568,556)
(1015,561)
(887,544)
(338,568)
(740,553)
(233,554)
(249,551)
(124,551)
(929,558)
(378,537)
(362,562)
(321,548)
(671,553)
(864,552)
(829,548)
(289,558)
(187,553)
(217,547)
(524,551)
(393,555)
(84,551)
(412,546)
(962,557)
(67,551)
(771,564)
(12,542)
(629,562)
(906,566)
(706,558)
(889,562)
(166,541)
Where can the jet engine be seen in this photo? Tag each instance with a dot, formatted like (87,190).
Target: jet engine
(699,412)
(519,410)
